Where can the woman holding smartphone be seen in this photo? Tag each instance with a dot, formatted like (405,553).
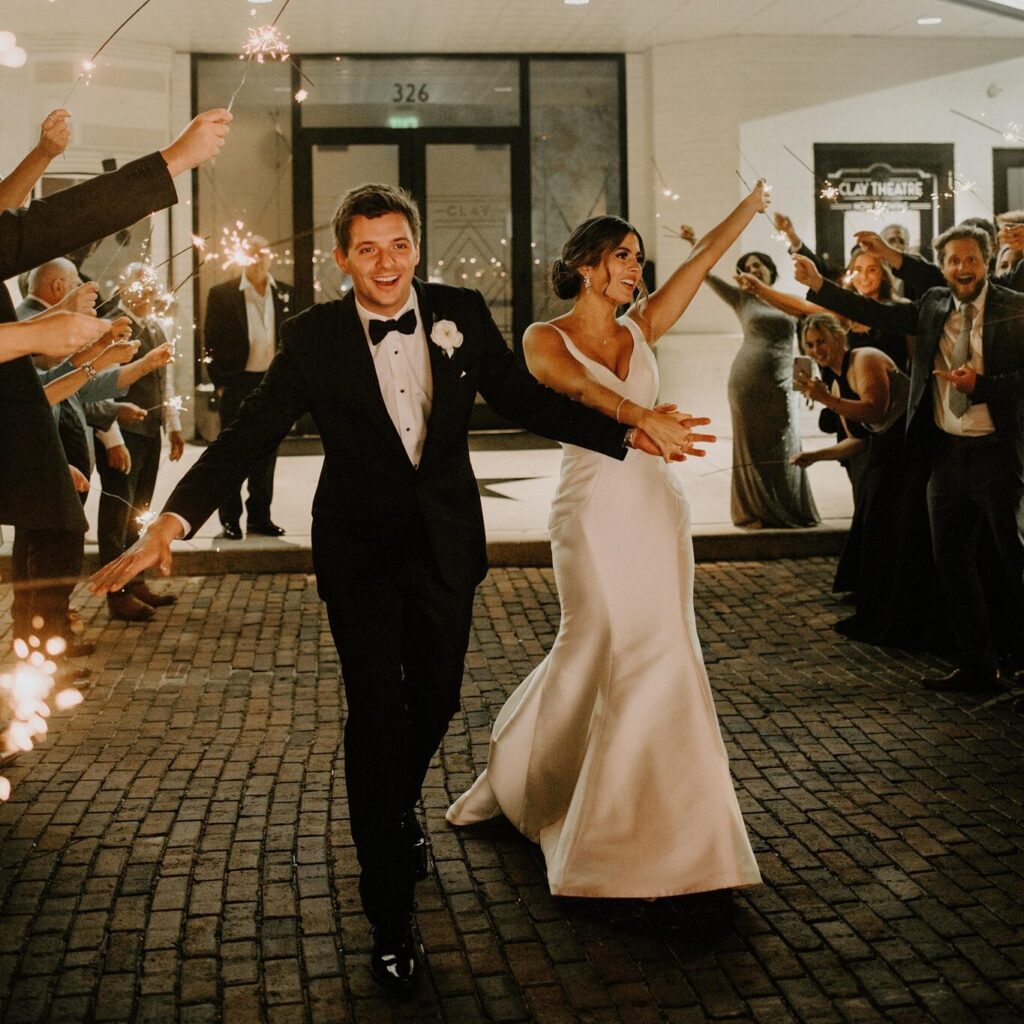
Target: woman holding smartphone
(888,539)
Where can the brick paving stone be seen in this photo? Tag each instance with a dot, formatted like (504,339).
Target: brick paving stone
(178,849)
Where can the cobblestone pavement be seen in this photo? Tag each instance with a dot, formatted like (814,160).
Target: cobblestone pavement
(177,849)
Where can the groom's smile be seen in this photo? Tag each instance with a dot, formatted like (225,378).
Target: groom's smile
(381,260)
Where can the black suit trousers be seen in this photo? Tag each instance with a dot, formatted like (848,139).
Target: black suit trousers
(261,472)
(402,638)
(974,495)
(45,565)
(125,495)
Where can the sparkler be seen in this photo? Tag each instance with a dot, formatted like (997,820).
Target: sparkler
(778,236)
(25,691)
(265,42)
(236,249)
(1012,131)
(828,190)
(176,404)
(89,66)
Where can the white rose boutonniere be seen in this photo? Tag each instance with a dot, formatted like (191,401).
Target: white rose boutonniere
(446,335)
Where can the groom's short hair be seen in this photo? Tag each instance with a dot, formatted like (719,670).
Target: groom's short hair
(373,201)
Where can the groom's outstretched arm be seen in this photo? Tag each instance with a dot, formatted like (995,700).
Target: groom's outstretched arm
(264,419)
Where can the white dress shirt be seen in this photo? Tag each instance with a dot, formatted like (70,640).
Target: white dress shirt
(977,420)
(259,316)
(402,362)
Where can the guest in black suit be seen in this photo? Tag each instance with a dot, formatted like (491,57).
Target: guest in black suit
(965,413)
(389,374)
(37,496)
(241,335)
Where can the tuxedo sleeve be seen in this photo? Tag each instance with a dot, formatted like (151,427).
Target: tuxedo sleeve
(918,274)
(508,387)
(901,316)
(49,228)
(262,423)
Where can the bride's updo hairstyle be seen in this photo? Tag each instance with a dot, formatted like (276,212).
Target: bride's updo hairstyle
(587,246)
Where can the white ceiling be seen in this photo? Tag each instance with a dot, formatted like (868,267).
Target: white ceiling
(354,26)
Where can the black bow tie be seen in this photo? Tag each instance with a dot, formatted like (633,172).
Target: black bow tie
(405,324)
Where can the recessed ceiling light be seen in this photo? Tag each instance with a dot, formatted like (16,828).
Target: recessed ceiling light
(576,3)
(929,21)
(259,1)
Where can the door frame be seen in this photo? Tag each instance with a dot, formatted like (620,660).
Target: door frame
(1002,161)
(412,158)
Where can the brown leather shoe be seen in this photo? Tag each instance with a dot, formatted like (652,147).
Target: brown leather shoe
(141,592)
(128,608)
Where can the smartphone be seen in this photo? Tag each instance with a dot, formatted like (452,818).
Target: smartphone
(803,370)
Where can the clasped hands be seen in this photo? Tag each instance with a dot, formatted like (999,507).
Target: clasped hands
(667,432)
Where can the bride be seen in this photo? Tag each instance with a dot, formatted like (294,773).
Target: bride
(609,753)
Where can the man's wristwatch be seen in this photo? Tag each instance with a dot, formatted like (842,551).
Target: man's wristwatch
(627,438)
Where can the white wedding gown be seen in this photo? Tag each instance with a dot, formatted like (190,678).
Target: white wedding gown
(609,754)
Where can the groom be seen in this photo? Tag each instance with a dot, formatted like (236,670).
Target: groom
(389,374)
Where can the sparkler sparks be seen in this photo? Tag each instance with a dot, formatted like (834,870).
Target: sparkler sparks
(265,43)
(25,693)
(828,191)
(301,95)
(237,249)
(143,519)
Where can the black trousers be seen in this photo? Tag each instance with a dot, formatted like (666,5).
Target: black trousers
(125,495)
(261,477)
(402,640)
(45,566)
(973,494)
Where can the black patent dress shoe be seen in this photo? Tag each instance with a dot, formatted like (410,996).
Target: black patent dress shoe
(394,963)
(230,531)
(959,680)
(267,529)
(417,845)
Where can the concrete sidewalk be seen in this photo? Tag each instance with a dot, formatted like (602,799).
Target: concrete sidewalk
(517,485)
(177,848)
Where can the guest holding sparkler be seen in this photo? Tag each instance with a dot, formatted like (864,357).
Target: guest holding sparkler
(963,416)
(44,576)
(127,495)
(36,492)
(767,491)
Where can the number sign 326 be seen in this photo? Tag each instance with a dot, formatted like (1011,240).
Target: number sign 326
(409,92)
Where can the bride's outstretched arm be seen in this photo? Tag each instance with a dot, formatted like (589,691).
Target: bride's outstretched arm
(553,365)
(667,304)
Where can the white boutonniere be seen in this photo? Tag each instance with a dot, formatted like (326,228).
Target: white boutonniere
(447,336)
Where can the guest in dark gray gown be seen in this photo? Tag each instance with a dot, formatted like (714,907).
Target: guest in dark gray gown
(766,490)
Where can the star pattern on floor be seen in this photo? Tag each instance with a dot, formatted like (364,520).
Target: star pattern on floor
(485,485)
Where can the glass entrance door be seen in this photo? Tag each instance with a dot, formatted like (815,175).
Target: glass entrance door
(468,230)
(336,169)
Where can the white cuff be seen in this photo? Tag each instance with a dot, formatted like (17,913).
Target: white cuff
(112,438)
(184,524)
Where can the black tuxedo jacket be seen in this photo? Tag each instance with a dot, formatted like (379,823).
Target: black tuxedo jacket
(35,486)
(1001,386)
(226,328)
(370,498)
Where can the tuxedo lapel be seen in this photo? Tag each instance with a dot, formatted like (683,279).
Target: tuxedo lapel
(351,355)
(443,375)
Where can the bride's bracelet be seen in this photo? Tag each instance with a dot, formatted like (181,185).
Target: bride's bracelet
(622,402)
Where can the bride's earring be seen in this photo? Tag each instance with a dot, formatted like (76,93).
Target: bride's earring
(586,281)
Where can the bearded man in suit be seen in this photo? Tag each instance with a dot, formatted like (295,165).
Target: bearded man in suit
(389,373)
